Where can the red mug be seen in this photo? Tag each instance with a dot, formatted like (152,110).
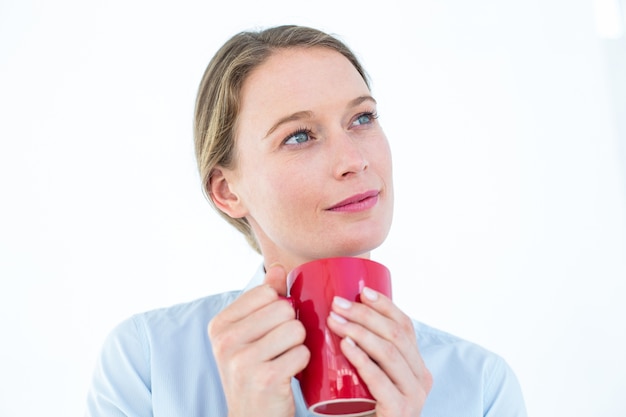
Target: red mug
(330,385)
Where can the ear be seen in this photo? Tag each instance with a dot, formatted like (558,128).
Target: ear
(223,196)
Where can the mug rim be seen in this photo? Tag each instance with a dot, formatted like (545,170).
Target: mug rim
(291,276)
(344,400)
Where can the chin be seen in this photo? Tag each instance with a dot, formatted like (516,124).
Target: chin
(360,245)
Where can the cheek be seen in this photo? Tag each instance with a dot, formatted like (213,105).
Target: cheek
(283,209)
(293,195)
(278,192)
(382,155)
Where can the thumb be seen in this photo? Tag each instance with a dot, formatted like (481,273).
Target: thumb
(276,277)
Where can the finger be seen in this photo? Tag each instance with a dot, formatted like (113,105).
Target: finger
(381,353)
(280,353)
(247,303)
(381,317)
(392,401)
(378,383)
(257,297)
(387,377)
(276,277)
(252,327)
(400,332)
(282,338)
(293,361)
(392,345)
(283,367)
(386,308)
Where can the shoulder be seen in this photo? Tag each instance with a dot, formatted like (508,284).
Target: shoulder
(183,312)
(438,344)
(142,337)
(159,350)
(179,318)
(467,376)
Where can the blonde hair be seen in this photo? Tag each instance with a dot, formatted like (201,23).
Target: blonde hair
(218,100)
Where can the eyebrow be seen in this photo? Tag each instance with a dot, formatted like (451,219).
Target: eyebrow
(292,117)
(360,100)
(306,114)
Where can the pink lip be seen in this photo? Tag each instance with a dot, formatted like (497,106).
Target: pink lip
(357,202)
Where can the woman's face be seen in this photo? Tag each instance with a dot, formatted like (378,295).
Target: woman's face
(313,167)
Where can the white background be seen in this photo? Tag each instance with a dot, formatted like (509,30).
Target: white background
(506,121)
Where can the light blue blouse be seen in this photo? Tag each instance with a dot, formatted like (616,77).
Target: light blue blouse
(160,364)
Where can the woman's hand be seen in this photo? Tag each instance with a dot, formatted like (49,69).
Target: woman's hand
(379,340)
(257,343)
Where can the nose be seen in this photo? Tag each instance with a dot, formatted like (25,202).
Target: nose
(349,155)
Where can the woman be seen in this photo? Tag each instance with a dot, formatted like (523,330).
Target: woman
(291,153)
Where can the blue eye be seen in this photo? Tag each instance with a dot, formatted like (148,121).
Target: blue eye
(301,136)
(364,119)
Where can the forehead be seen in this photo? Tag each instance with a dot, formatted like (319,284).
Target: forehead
(301,77)
(285,60)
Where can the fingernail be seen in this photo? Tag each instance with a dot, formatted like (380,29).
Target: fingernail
(370,294)
(273,265)
(342,302)
(337,318)
(349,341)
